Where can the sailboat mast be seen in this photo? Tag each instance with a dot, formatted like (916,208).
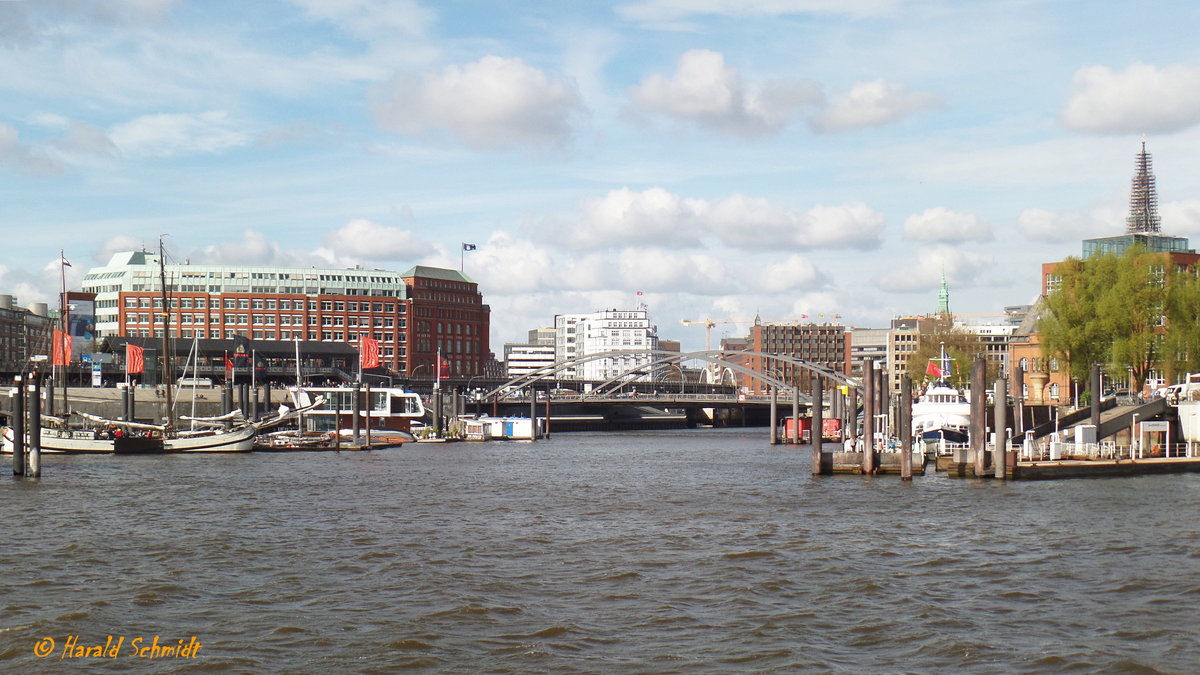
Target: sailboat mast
(168,370)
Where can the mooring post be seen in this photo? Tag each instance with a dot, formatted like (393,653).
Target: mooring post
(267,398)
(882,397)
(818,421)
(367,418)
(546,431)
(227,398)
(35,429)
(1096,396)
(868,458)
(1000,452)
(979,414)
(905,424)
(532,412)
(1018,394)
(796,415)
(355,407)
(774,394)
(241,390)
(132,392)
(18,430)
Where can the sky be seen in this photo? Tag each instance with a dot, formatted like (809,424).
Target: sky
(824,160)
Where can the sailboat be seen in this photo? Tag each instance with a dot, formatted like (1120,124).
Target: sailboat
(125,437)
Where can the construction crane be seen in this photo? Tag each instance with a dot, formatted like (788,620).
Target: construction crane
(709,323)
(708,326)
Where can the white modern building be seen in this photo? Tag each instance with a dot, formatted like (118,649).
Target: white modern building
(610,330)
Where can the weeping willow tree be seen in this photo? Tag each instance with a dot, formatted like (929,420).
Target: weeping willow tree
(1113,310)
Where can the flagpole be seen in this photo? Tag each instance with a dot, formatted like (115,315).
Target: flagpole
(462,256)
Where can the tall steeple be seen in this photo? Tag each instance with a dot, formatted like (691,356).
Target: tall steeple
(944,296)
(1143,199)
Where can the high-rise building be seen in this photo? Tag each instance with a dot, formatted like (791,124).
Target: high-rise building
(611,330)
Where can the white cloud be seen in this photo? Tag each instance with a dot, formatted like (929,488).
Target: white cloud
(362,239)
(796,272)
(1053,227)
(705,91)
(255,249)
(657,217)
(24,158)
(669,13)
(664,271)
(924,271)
(372,19)
(624,217)
(116,244)
(1140,99)
(942,225)
(492,103)
(1182,217)
(167,135)
(871,104)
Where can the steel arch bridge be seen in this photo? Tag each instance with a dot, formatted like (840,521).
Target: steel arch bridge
(664,358)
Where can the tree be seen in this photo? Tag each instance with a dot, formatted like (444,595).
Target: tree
(961,347)
(1109,309)
(1181,344)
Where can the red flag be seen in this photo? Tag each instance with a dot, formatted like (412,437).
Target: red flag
(228,362)
(368,352)
(443,367)
(61,350)
(934,370)
(135,359)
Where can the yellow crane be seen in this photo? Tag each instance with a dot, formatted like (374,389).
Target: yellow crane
(708,326)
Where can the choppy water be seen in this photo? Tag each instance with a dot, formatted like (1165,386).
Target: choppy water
(661,552)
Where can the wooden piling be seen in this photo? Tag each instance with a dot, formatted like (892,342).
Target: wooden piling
(18,430)
(355,408)
(1095,388)
(532,413)
(34,466)
(818,421)
(1000,451)
(905,422)
(367,415)
(796,415)
(868,435)
(774,394)
(979,414)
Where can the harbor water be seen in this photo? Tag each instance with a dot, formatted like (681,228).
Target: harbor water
(705,551)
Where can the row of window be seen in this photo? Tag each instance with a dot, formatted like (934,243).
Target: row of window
(267,304)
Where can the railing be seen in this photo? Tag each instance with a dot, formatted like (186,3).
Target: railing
(1105,450)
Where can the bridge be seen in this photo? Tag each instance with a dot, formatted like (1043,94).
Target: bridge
(644,396)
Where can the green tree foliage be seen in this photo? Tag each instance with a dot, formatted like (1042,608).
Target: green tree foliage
(961,347)
(1110,310)
(1181,344)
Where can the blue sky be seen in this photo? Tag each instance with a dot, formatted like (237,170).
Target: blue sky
(725,157)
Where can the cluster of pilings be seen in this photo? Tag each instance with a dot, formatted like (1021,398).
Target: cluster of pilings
(26,425)
(864,449)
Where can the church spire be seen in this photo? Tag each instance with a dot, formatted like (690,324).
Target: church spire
(1143,199)
(944,296)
